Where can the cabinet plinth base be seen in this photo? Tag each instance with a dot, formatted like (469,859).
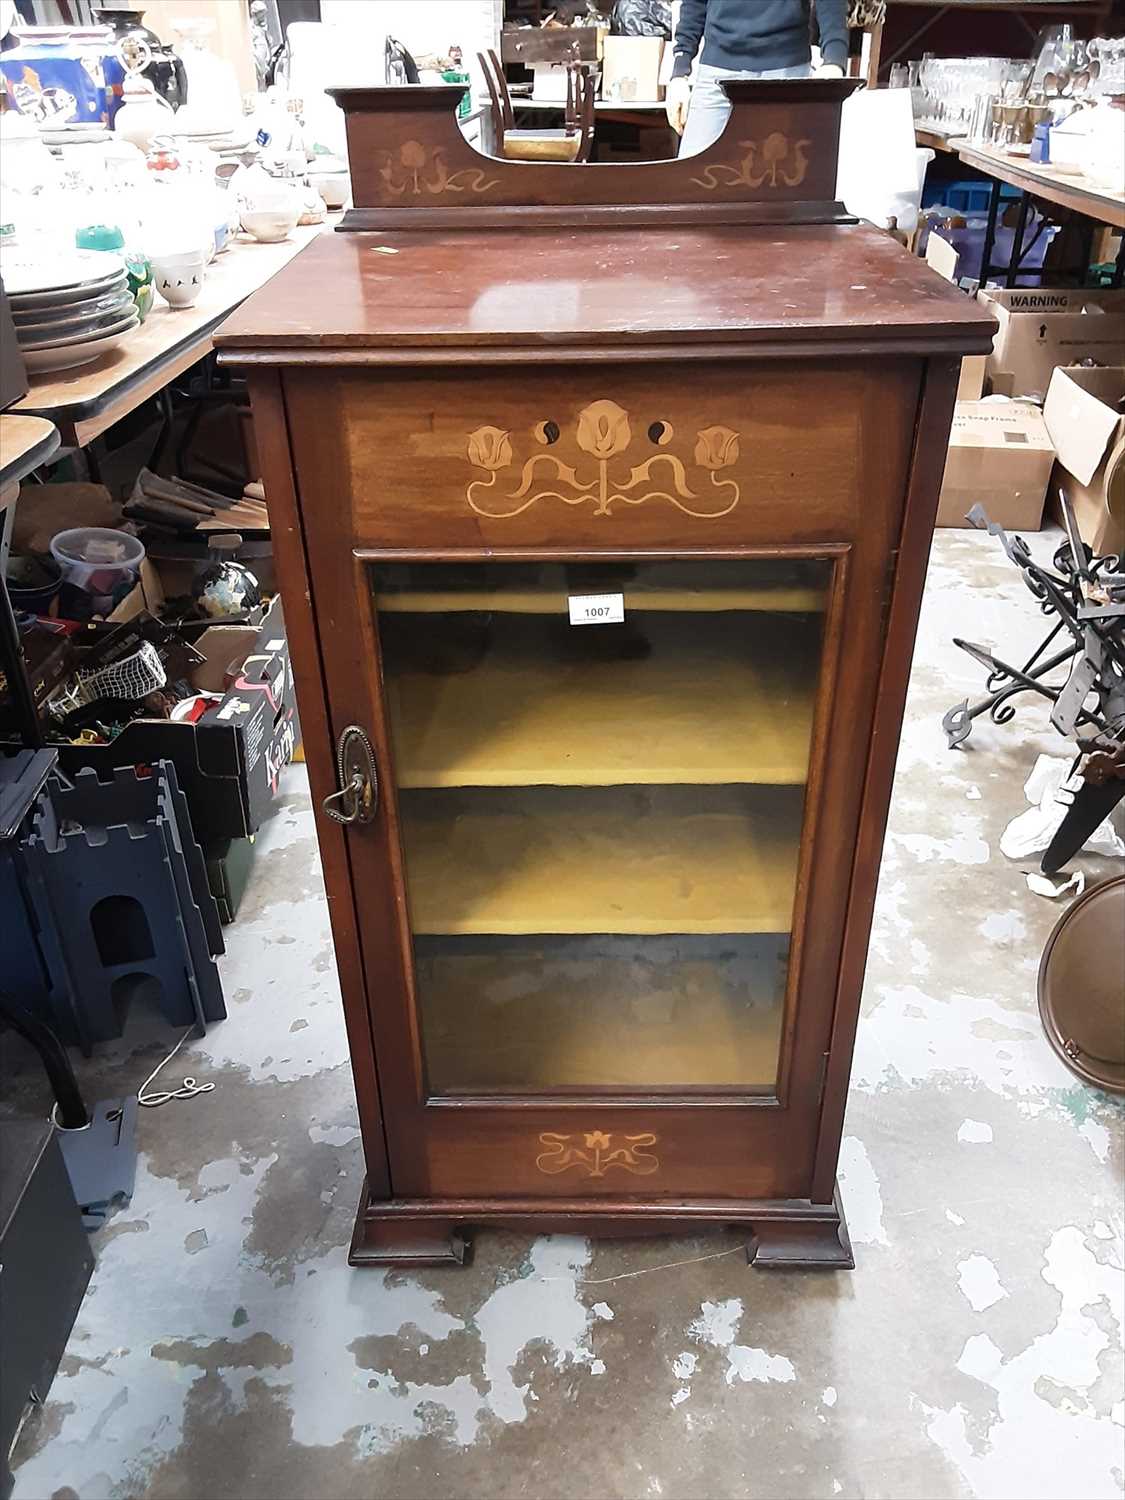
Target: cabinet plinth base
(802,1244)
(787,1234)
(406,1241)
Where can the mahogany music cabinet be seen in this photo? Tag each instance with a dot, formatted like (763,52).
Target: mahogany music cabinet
(601,498)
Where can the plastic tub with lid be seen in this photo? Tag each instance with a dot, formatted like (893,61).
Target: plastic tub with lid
(97,562)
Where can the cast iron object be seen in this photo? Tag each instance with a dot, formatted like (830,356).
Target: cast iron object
(1082,989)
(1092,805)
(1103,772)
(1103,788)
(1086,596)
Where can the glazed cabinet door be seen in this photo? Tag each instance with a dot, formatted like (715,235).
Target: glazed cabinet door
(616,659)
(600,773)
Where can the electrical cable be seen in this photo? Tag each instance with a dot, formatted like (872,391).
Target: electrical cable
(69,1104)
(187,1090)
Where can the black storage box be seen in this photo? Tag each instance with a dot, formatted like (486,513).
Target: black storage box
(13,376)
(228,763)
(47,1264)
(229,863)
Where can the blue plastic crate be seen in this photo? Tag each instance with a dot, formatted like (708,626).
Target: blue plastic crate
(969,196)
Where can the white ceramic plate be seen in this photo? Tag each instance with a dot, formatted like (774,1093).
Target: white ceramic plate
(24,276)
(53,335)
(69,356)
(69,297)
(74,137)
(65,317)
(59,296)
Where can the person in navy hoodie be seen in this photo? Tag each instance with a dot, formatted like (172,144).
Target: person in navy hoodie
(744,39)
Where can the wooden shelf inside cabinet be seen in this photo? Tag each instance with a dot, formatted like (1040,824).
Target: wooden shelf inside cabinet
(676,587)
(706,700)
(645,860)
(601,1012)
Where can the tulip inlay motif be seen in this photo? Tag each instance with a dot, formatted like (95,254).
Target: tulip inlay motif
(604,432)
(776,162)
(594,1152)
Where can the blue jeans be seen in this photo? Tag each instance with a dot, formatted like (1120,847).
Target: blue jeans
(710,107)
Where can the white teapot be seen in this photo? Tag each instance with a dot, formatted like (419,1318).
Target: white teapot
(143,114)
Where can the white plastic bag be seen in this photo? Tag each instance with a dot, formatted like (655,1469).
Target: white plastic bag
(879,170)
(1033,830)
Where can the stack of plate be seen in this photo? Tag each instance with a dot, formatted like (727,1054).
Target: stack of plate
(193,128)
(74,134)
(71,310)
(203,134)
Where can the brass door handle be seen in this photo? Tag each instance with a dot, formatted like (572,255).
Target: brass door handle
(357,800)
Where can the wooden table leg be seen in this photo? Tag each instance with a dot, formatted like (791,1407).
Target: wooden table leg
(15,673)
(875,48)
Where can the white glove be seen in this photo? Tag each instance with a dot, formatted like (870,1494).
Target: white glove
(830,70)
(676,102)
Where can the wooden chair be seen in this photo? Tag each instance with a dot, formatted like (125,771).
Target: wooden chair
(583,107)
(502,116)
(573,143)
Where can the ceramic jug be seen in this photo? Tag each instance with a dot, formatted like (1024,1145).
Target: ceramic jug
(143,113)
(164,69)
(55,77)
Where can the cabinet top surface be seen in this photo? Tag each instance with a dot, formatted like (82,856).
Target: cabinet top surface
(589,286)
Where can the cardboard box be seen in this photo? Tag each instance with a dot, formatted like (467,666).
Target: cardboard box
(229,762)
(1000,456)
(146,595)
(1085,422)
(550,83)
(942,257)
(631,69)
(1041,327)
(970,382)
(945,259)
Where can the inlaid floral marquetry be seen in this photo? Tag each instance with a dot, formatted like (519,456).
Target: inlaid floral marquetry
(691,482)
(776,162)
(415,169)
(593,1153)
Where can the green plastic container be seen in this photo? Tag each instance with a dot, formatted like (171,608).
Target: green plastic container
(451,75)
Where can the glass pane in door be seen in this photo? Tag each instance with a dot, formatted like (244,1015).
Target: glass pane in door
(601,774)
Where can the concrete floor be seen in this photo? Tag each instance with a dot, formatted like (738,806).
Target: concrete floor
(225,1348)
